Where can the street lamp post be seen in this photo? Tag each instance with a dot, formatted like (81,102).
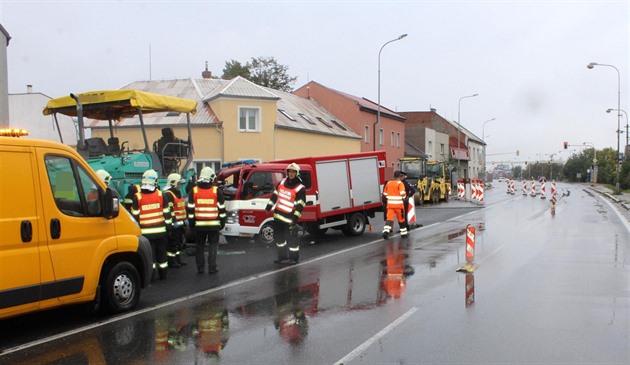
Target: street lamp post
(378,107)
(459,107)
(624,112)
(590,66)
(594,161)
(483,139)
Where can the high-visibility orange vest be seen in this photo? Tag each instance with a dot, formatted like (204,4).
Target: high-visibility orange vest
(286,201)
(151,217)
(206,207)
(179,207)
(395,191)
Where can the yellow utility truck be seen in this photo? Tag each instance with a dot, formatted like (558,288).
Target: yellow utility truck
(64,238)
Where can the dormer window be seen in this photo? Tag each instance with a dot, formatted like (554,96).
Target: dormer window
(306,118)
(284,112)
(324,122)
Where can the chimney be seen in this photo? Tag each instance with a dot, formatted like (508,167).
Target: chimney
(29,89)
(206,74)
(433,110)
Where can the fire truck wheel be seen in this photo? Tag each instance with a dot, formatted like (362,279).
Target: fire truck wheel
(266,233)
(314,231)
(355,226)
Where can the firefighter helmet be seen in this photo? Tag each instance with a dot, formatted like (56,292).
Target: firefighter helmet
(104,176)
(293,166)
(150,177)
(174,179)
(207,175)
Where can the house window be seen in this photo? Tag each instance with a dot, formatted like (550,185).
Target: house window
(393,139)
(380,137)
(200,164)
(398,139)
(249,119)
(430,151)
(442,149)
(366,134)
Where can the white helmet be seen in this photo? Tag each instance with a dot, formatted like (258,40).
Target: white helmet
(150,178)
(104,176)
(174,179)
(295,167)
(207,175)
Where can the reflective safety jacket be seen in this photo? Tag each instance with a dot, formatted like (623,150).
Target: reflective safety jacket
(152,214)
(206,208)
(178,205)
(395,192)
(290,199)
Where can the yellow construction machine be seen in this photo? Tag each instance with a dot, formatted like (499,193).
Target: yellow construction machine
(429,178)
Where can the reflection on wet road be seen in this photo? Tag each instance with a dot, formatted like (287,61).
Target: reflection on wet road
(548,289)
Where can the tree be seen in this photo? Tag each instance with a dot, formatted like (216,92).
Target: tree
(234,68)
(266,71)
(263,71)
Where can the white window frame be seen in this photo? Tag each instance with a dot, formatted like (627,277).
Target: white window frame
(398,139)
(257,119)
(380,137)
(393,139)
(366,134)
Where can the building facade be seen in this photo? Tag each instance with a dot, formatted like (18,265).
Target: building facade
(4,83)
(361,115)
(238,120)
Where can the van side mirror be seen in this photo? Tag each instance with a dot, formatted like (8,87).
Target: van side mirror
(111,205)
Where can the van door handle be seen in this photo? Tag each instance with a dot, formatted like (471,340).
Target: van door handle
(26,231)
(55,228)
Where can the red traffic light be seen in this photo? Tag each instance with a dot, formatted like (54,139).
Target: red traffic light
(566,144)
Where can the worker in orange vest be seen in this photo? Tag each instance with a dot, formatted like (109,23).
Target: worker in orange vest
(395,194)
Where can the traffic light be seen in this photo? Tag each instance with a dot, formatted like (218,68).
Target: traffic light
(566,145)
(525,163)
(517,152)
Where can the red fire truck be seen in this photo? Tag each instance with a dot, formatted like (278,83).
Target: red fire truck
(342,192)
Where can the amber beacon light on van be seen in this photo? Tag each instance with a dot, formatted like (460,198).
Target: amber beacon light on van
(13,132)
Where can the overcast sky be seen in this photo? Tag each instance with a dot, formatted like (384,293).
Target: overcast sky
(526,59)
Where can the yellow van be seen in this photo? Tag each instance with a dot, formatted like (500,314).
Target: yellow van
(63,238)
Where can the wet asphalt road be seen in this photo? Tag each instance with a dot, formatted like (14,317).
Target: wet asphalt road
(547,289)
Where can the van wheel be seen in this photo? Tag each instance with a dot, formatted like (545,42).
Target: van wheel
(355,226)
(122,288)
(266,234)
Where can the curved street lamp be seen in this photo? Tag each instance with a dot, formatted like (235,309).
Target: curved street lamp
(590,66)
(594,161)
(459,107)
(378,110)
(624,112)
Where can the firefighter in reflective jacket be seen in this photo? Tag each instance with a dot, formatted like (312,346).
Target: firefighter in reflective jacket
(289,199)
(178,207)
(206,214)
(395,194)
(152,211)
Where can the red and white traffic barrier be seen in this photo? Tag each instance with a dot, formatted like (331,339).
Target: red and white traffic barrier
(470,250)
(480,191)
(533,187)
(473,189)
(542,190)
(524,187)
(461,192)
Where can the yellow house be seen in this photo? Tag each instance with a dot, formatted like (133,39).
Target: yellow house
(239,120)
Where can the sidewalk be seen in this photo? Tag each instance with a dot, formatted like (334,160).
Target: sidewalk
(621,202)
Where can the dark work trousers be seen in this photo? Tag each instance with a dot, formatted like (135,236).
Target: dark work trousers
(201,237)
(174,246)
(158,250)
(287,245)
